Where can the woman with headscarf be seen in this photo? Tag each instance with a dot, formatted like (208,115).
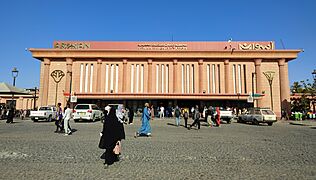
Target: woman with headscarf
(112,133)
(145,129)
(120,113)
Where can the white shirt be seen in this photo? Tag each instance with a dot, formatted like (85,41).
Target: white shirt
(68,113)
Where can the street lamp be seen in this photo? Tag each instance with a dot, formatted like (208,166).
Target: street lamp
(314,77)
(34,97)
(253,86)
(270,75)
(15,74)
(314,88)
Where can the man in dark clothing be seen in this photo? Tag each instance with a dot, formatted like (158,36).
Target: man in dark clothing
(186,117)
(10,116)
(196,117)
(130,116)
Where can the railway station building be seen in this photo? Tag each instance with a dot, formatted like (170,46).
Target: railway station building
(233,74)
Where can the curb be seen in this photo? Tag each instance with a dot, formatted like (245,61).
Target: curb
(299,124)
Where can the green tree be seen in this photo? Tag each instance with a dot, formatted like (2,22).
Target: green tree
(306,92)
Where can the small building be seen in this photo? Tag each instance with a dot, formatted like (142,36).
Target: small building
(18,97)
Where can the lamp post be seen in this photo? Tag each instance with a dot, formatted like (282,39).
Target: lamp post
(35,97)
(70,84)
(270,75)
(15,74)
(57,75)
(314,88)
(253,86)
(238,94)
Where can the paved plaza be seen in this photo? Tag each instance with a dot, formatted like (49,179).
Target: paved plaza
(234,151)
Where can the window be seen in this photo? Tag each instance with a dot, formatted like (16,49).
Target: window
(267,112)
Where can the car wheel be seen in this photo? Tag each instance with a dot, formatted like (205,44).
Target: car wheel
(270,123)
(239,120)
(49,119)
(255,122)
(34,120)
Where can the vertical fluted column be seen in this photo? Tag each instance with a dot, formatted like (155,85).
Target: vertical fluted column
(124,86)
(150,71)
(258,79)
(284,86)
(227,74)
(201,73)
(175,77)
(99,66)
(69,62)
(45,82)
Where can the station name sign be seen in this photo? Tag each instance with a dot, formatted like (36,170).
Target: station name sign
(162,46)
(71,45)
(256,46)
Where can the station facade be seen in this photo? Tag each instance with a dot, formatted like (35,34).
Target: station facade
(166,73)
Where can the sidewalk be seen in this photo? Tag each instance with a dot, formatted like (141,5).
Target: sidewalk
(303,122)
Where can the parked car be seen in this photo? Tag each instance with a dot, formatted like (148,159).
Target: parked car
(47,113)
(258,115)
(90,112)
(226,115)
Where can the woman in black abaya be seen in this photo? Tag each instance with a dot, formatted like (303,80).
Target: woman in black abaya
(113,131)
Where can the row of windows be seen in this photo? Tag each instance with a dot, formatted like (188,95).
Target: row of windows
(162,75)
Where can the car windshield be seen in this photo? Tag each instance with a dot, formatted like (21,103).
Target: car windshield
(267,112)
(44,108)
(82,107)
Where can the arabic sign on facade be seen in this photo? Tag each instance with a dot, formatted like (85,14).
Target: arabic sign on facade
(162,46)
(256,46)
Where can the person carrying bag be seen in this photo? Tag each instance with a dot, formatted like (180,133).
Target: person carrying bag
(111,136)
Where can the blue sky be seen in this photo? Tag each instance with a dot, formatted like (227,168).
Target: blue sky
(37,23)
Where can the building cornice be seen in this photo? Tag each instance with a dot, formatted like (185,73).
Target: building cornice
(99,53)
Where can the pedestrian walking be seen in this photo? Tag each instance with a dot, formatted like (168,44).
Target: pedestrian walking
(162,112)
(211,117)
(145,129)
(185,117)
(10,115)
(218,117)
(152,112)
(111,136)
(131,115)
(67,117)
(196,117)
(59,119)
(177,114)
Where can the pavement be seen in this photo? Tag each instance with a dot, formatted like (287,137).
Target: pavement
(233,151)
(303,123)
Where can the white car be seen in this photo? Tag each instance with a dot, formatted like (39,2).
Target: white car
(48,113)
(258,115)
(90,112)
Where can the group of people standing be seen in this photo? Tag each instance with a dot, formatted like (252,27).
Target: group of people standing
(210,116)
